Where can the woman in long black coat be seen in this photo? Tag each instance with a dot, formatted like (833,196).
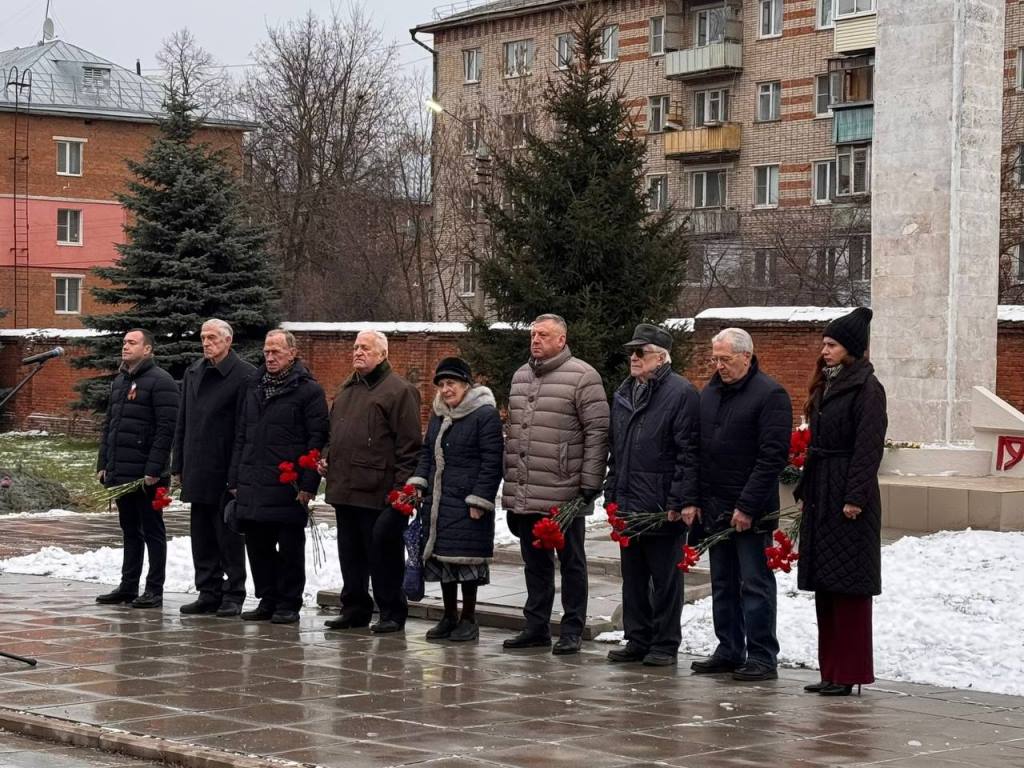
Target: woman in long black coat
(458,475)
(840,531)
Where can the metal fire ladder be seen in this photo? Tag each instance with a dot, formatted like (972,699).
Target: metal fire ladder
(21,82)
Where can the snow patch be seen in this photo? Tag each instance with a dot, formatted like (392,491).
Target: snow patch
(775,314)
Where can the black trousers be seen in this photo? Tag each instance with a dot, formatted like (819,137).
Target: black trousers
(277,557)
(372,552)
(144,533)
(218,554)
(539,568)
(652,592)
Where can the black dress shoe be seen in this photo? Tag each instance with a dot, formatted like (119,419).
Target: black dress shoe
(714,666)
(347,622)
(526,639)
(659,659)
(567,644)
(116,597)
(199,607)
(229,608)
(835,689)
(386,627)
(148,600)
(464,632)
(627,653)
(754,672)
(284,617)
(817,687)
(259,613)
(443,629)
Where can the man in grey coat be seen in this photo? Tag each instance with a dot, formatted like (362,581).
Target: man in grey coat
(555,452)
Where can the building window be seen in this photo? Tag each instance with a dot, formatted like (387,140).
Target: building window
(68,293)
(851,7)
(824,181)
(708,26)
(470,201)
(859,251)
(824,95)
(657,193)
(766,186)
(1018,166)
(657,109)
(515,127)
(565,46)
(471,135)
(769,101)
(656,45)
(827,259)
(766,267)
(468,279)
(1020,69)
(471,65)
(771,18)
(69,157)
(710,107)
(853,170)
(518,58)
(825,11)
(610,43)
(1017,264)
(709,189)
(95,78)
(69,226)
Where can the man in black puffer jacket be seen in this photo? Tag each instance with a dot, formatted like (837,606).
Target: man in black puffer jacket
(283,416)
(745,423)
(136,444)
(652,467)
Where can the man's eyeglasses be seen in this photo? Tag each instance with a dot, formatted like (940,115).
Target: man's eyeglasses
(640,352)
(721,360)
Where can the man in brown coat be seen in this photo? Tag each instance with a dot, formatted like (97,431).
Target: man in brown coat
(374,447)
(556,451)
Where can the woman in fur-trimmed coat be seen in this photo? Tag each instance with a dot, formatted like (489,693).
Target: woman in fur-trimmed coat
(458,476)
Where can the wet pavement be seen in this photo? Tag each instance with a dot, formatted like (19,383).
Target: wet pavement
(18,751)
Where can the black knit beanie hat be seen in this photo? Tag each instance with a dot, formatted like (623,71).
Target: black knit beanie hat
(852,331)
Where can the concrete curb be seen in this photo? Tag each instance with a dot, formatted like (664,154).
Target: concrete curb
(130,744)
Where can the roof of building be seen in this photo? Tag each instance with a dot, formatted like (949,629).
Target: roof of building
(62,78)
(447,16)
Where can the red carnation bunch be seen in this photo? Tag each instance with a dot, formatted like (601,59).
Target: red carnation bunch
(162,499)
(288,474)
(781,557)
(404,500)
(625,529)
(690,558)
(310,460)
(799,441)
(547,534)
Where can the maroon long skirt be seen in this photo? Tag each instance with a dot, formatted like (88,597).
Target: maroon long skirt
(845,651)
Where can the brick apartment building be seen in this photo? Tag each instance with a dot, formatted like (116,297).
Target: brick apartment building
(758,120)
(69,120)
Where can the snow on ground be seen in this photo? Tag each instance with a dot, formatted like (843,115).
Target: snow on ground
(949,614)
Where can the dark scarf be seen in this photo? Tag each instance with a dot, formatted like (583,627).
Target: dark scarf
(272,384)
(642,389)
(830,372)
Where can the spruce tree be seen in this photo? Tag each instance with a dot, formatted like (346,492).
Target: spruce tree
(191,252)
(579,240)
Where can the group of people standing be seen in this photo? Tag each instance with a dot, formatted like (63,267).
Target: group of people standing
(708,461)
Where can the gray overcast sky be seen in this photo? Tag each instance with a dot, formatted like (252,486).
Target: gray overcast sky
(126,30)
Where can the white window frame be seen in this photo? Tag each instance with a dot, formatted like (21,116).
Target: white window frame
(851,151)
(858,9)
(657,192)
(700,182)
(609,43)
(656,36)
(1020,69)
(469,278)
(519,58)
(67,278)
(773,90)
(773,17)
(657,113)
(470,135)
(770,185)
(515,126)
(820,21)
(1018,167)
(64,144)
(565,45)
(705,14)
(830,181)
(702,102)
(865,258)
(764,271)
(1017,264)
(471,65)
(829,81)
(67,226)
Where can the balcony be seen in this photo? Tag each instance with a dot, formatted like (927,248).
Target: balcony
(708,143)
(856,33)
(852,124)
(708,222)
(709,60)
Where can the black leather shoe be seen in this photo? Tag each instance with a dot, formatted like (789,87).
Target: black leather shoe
(259,613)
(817,687)
(713,666)
(464,632)
(628,652)
(443,628)
(200,607)
(116,597)
(659,659)
(835,689)
(753,672)
(567,644)
(148,600)
(386,626)
(284,617)
(229,608)
(526,639)
(347,622)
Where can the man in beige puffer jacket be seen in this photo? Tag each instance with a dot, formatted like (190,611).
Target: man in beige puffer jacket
(556,451)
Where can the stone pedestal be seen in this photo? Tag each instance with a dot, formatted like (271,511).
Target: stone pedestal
(935,211)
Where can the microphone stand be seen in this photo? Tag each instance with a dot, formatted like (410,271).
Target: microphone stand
(8,396)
